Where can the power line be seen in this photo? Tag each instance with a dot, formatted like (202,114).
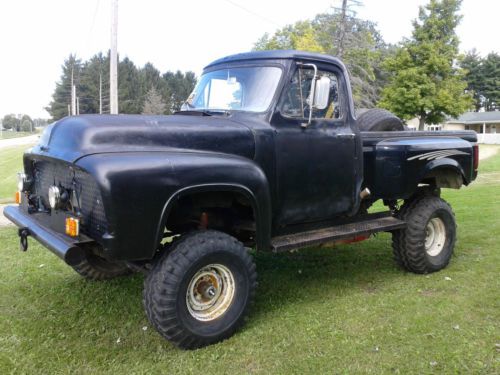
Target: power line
(93,22)
(253,13)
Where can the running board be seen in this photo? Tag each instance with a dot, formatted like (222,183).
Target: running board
(336,233)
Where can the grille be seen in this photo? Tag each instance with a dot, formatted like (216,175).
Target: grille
(87,193)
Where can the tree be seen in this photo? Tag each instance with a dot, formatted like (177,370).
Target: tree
(94,78)
(129,89)
(357,42)
(300,36)
(11,122)
(425,81)
(471,64)
(26,124)
(178,87)
(40,122)
(91,79)
(58,107)
(154,104)
(491,73)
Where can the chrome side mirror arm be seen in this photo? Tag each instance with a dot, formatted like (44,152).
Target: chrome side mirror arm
(312,92)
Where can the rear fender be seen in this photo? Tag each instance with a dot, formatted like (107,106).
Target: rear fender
(445,171)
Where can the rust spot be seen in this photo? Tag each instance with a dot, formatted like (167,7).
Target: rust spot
(203,221)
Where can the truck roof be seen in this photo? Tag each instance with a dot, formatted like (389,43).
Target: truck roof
(276,54)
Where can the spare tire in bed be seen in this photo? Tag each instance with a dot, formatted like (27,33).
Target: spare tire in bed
(378,120)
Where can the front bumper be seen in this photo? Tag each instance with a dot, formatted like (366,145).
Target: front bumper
(63,246)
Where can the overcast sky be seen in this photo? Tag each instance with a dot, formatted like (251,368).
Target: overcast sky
(36,36)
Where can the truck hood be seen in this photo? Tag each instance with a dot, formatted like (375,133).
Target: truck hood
(74,137)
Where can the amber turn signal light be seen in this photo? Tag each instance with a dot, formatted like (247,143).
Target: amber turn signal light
(18,197)
(72,226)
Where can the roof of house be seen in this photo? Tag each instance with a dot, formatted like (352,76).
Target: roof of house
(477,118)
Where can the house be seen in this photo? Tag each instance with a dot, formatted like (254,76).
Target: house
(485,124)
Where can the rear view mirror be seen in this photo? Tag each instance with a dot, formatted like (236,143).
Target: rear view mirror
(322,93)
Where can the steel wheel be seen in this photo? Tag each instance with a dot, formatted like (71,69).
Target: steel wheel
(435,236)
(210,292)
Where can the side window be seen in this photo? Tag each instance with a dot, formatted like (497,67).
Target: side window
(297,96)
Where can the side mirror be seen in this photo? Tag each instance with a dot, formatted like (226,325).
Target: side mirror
(321,93)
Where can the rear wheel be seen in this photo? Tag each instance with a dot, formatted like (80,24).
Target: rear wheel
(200,291)
(94,267)
(427,243)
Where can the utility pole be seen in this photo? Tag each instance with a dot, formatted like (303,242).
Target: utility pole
(113,60)
(100,92)
(73,95)
(342,28)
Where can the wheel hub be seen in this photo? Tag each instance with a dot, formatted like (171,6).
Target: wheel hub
(210,292)
(435,236)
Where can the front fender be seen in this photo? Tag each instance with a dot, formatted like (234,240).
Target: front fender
(139,188)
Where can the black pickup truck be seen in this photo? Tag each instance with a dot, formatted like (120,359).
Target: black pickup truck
(267,153)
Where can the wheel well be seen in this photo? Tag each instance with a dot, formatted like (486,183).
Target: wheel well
(227,211)
(444,177)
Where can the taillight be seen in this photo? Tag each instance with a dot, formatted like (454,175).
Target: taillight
(476,157)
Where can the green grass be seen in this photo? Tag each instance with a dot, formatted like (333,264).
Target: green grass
(9,134)
(11,162)
(345,310)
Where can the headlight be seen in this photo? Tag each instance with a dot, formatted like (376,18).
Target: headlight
(23,181)
(58,197)
(54,196)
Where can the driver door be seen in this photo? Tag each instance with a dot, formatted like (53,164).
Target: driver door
(316,166)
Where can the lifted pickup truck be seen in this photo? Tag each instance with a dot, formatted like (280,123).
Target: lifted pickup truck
(267,153)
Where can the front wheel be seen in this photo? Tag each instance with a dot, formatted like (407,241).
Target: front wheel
(427,243)
(93,267)
(200,291)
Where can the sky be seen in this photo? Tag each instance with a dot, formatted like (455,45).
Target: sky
(36,36)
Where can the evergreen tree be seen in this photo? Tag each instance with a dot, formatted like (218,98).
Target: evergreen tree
(153,104)
(178,86)
(58,107)
(424,81)
(133,86)
(129,90)
(491,73)
(471,64)
(94,77)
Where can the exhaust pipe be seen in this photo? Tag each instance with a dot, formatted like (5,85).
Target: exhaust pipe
(365,193)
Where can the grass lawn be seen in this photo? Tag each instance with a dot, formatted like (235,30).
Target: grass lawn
(9,134)
(345,310)
(11,162)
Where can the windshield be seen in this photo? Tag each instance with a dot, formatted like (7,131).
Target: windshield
(241,89)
